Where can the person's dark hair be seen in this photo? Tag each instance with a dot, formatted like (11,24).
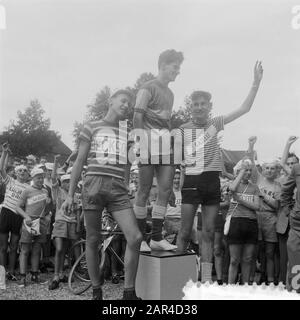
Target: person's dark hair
(292,154)
(9,168)
(170,56)
(198,94)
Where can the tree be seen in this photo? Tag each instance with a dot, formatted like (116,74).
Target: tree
(30,134)
(98,109)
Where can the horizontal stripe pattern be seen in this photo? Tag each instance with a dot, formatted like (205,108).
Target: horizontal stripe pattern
(108,148)
(201,149)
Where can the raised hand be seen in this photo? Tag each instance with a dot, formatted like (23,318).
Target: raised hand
(292,139)
(5,147)
(258,73)
(252,140)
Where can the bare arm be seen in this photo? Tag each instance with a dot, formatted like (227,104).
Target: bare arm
(142,100)
(285,154)
(270,201)
(247,104)
(3,160)
(235,183)
(78,165)
(54,171)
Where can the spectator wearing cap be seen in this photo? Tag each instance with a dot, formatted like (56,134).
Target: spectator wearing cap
(65,226)
(10,220)
(32,206)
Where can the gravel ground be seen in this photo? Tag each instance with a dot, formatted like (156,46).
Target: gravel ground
(40,291)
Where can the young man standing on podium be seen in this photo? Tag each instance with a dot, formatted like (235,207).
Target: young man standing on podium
(203,165)
(152,114)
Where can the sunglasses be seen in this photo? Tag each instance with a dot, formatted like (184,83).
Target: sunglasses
(22,170)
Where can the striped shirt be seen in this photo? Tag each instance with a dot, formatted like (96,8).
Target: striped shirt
(200,146)
(14,189)
(108,148)
(34,201)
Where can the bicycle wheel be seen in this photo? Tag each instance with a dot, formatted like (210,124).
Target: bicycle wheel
(75,251)
(78,279)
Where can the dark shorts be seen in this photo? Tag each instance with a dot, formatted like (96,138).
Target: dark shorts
(101,192)
(10,222)
(167,160)
(27,237)
(202,189)
(243,231)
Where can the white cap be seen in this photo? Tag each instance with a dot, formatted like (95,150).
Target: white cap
(65,177)
(35,171)
(49,165)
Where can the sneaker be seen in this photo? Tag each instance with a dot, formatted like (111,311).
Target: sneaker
(11,277)
(54,285)
(115,279)
(145,247)
(163,245)
(97,294)
(22,282)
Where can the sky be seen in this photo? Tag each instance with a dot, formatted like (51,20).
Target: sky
(62,52)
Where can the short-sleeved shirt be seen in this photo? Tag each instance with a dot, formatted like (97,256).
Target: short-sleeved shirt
(238,210)
(158,112)
(109,143)
(13,192)
(34,201)
(200,146)
(271,189)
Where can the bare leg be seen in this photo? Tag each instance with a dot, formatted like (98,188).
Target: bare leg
(187,221)
(128,224)
(247,258)
(235,258)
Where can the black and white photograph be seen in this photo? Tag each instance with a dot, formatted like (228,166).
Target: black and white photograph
(149,150)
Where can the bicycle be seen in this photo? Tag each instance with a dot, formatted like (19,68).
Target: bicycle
(79,270)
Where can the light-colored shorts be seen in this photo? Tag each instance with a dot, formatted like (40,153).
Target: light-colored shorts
(267,226)
(64,229)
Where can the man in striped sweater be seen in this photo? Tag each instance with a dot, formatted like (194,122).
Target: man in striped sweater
(10,220)
(105,146)
(203,166)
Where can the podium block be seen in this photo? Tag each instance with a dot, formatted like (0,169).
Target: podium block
(163,274)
